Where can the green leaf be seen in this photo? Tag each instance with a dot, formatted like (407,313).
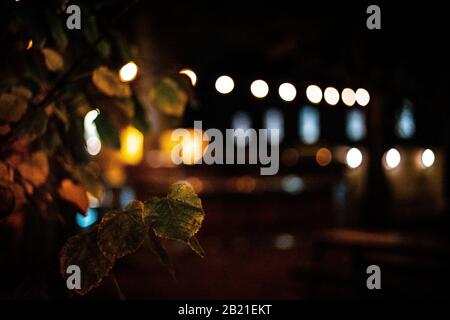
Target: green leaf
(168,97)
(122,231)
(82,250)
(178,216)
(108,133)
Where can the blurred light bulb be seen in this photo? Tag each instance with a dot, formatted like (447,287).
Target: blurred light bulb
(259,88)
(324,157)
(392,158)
(128,72)
(224,84)
(331,96)
(354,158)
(131,145)
(287,92)
(362,97)
(428,158)
(314,93)
(190,74)
(348,97)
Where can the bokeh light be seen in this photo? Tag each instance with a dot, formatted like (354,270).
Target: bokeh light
(88,219)
(362,97)
(348,97)
(224,84)
(331,96)
(428,158)
(287,91)
(392,159)
(292,184)
(323,157)
(259,88)
(131,145)
(190,74)
(128,72)
(354,158)
(314,93)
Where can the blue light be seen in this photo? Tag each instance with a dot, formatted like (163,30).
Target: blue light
(126,195)
(273,119)
(241,120)
(356,126)
(309,125)
(292,184)
(406,126)
(85,221)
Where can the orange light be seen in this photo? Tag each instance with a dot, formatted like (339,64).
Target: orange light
(192,145)
(323,157)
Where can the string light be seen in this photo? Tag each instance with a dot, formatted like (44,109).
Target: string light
(259,88)
(224,84)
(128,72)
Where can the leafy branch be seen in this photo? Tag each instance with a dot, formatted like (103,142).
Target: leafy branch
(177,216)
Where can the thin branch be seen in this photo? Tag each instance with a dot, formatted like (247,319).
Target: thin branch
(117,287)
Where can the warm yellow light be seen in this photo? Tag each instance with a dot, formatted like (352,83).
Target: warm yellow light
(362,97)
(354,158)
(30,44)
(131,145)
(192,145)
(194,148)
(128,72)
(190,74)
(314,93)
(259,88)
(224,84)
(115,175)
(392,159)
(323,157)
(428,158)
(287,92)
(331,96)
(348,97)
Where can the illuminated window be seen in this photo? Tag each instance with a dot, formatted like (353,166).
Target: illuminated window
(356,125)
(309,125)
(273,119)
(241,120)
(406,126)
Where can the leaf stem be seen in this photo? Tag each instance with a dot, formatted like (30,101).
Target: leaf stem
(117,287)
